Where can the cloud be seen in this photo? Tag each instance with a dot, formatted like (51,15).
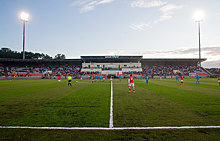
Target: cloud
(211,64)
(167,13)
(213,50)
(147,3)
(141,26)
(79,2)
(211,53)
(104,1)
(88,5)
(205,50)
(113,52)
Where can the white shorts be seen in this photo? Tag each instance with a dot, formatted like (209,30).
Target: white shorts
(131,84)
(181,80)
(219,81)
(59,80)
(111,79)
(103,78)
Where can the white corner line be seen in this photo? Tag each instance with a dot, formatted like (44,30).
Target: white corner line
(111,108)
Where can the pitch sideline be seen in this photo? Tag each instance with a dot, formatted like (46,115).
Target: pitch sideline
(105,128)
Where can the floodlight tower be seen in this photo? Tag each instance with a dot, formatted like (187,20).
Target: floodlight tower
(24,18)
(199,18)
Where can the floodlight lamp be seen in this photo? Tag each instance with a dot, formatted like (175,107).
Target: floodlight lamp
(199,15)
(24,17)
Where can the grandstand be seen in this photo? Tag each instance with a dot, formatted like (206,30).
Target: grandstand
(102,65)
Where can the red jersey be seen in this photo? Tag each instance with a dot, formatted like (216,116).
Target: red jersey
(131,79)
(181,77)
(80,76)
(59,77)
(93,77)
(219,78)
(111,76)
(104,76)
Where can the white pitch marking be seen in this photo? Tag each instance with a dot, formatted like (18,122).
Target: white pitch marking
(111,108)
(105,128)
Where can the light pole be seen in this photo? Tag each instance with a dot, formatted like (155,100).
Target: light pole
(24,18)
(199,18)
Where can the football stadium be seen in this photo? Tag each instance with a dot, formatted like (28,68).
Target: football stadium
(34,105)
(110,70)
(102,65)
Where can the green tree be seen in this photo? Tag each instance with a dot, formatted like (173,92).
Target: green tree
(37,56)
(47,57)
(8,53)
(59,56)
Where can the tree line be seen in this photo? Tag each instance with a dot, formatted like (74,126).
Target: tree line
(8,53)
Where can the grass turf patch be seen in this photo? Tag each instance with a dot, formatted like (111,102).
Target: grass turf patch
(149,107)
(205,101)
(140,135)
(87,107)
(18,106)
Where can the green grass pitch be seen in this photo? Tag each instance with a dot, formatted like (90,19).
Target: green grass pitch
(166,103)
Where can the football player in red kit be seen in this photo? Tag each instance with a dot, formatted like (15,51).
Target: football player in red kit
(131,83)
(181,79)
(59,77)
(219,80)
(111,78)
(93,78)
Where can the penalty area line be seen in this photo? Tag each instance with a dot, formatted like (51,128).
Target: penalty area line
(106,128)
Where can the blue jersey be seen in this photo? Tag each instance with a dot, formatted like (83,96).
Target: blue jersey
(147,78)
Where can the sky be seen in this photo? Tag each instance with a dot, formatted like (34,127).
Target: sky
(151,28)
